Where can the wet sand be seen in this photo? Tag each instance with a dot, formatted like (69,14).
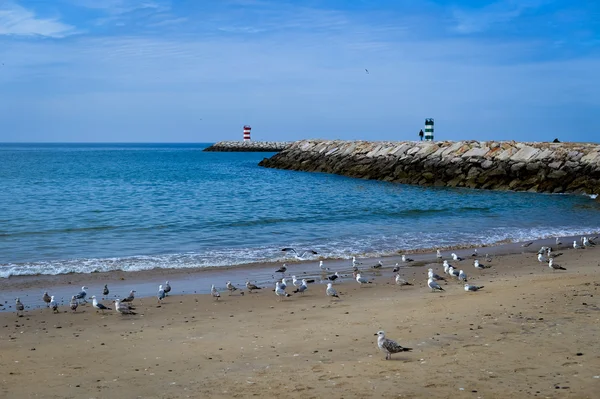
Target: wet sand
(530,332)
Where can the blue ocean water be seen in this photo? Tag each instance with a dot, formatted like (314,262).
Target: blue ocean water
(98,207)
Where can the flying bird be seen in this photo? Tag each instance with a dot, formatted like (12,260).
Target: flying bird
(367,71)
(389,346)
(300,256)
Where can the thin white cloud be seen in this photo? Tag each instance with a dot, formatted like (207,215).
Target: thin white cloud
(17,20)
(499,13)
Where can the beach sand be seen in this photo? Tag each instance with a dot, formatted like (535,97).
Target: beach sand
(530,332)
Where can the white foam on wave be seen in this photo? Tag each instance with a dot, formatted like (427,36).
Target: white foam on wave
(344,248)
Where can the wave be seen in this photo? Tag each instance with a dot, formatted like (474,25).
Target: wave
(367,246)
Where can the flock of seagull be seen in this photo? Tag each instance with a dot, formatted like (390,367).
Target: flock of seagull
(300,286)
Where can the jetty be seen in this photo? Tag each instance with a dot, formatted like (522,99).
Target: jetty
(496,165)
(249,146)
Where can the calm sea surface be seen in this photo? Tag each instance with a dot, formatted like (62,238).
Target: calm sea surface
(86,207)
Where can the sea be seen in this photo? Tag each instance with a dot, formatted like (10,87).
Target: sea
(82,208)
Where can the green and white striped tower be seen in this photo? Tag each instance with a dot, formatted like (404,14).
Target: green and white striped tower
(429,129)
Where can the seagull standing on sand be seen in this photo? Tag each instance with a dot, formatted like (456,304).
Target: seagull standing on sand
(455,257)
(462,276)
(161,293)
(388,346)
(446,267)
(355,263)
(282,269)
(295,282)
(251,286)
(167,288)
(438,254)
(53,304)
(322,267)
(558,241)
(303,287)
(97,305)
(283,284)
(433,276)
(576,245)
(478,265)
(405,259)
(379,265)
(396,269)
(123,308)
(587,242)
(300,256)
(215,294)
(542,258)
(474,252)
(361,280)
(230,287)
(82,294)
(73,304)
(400,281)
(280,292)
(46,298)
(554,266)
(19,306)
(330,291)
(130,298)
(453,272)
(334,277)
(472,288)
(433,285)
(105,291)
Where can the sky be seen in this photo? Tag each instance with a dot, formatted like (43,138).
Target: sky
(198,70)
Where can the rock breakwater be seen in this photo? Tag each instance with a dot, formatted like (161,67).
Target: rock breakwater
(248,146)
(496,165)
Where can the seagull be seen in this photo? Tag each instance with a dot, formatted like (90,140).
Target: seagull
(19,306)
(105,291)
(577,246)
(230,287)
(46,298)
(388,346)
(303,287)
(215,293)
(543,250)
(554,266)
(354,262)
(474,252)
(323,268)
(453,272)
(361,280)
(438,254)
(587,242)
(553,254)
(433,285)
(456,257)
(379,265)
(98,306)
(330,291)
(280,291)
(123,308)
(82,294)
(295,282)
(367,71)
(333,277)
(558,241)
(161,293)
(462,276)
(446,267)
(433,276)
(130,298)
(396,269)
(53,304)
(472,288)
(73,304)
(282,269)
(283,284)
(167,288)
(488,258)
(478,265)
(542,258)
(251,286)
(405,259)
(400,281)
(297,255)
(527,244)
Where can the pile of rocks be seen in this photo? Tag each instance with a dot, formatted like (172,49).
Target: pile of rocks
(248,146)
(508,165)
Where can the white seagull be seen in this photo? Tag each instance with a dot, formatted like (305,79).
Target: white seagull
(361,280)
(433,285)
(438,254)
(554,266)
(322,267)
(405,259)
(388,346)
(400,281)
(280,291)
(82,294)
(472,288)
(123,307)
(576,245)
(230,287)
(453,272)
(19,306)
(161,293)
(478,265)
(446,267)
(167,288)
(97,305)
(53,304)
(542,258)
(215,294)
(456,257)
(433,276)
(303,287)
(462,276)
(283,284)
(330,291)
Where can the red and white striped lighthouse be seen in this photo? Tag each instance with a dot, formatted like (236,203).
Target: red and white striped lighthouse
(247,133)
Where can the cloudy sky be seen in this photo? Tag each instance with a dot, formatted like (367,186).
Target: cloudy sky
(198,70)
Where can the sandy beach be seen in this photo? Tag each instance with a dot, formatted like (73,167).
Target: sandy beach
(530,332)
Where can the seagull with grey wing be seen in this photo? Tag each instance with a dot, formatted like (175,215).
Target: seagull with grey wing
(434,286)
(462,276)
(472,288)
(479,265)
(446,267)
(396,268)
(280,292)
(167,288)
(455,257)
(215,293)
(322,267)
(361,280)
(231,287)
(252,287)
(330,291)
(53,304)
(97,305)
(405,259)
(400,281)
(130,297)
(161,293)
(81,295)
(123,308)
(433,276)
(303,287)
(19,306)
(73,304)
(389,346)
(46,298)
(282,269)
(304,254)
(554,266)
(576,245)
(453,272)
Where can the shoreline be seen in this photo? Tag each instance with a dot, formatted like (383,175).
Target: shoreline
(199,280)
(529,333)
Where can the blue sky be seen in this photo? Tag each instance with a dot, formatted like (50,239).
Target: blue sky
(198,70)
